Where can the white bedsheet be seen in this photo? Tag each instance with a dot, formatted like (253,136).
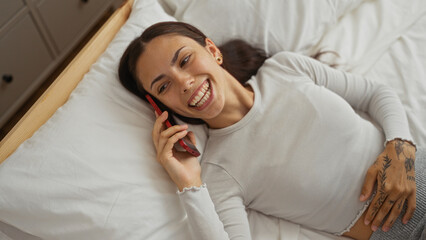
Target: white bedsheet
(90,173)
(403,66)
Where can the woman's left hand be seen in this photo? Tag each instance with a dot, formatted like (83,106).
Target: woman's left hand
(394,172)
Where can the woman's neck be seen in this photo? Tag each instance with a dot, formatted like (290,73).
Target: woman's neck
(239,100)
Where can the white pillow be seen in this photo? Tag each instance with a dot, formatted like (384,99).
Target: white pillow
(273,25)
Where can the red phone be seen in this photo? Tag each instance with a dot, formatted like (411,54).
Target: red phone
(184,143)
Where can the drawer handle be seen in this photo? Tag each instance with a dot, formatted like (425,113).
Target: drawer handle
(85,1)
(7,78)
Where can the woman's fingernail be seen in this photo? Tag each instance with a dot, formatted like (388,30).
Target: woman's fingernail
(361,198)
(385,229)
(366,222)
(405,221)
(374,228)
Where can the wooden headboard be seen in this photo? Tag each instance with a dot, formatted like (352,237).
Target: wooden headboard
(57,94)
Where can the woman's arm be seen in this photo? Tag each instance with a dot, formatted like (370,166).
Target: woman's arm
(393,170)
(226,219)
(185,170)
(377,99)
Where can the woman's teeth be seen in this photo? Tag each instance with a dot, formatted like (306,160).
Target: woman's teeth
(202,97)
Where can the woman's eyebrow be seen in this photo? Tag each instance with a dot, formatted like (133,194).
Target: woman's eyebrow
(157,79)
(175,57)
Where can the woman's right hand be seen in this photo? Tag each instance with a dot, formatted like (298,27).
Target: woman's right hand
(183,168)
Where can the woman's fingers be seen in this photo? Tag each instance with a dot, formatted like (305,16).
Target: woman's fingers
(392,209)
(385,208)
(167,134)
(374,207)
(166,156)
(391,206)
(396,210)
(379,210)
(159,126)
(169,144)
(191,137)
(411,207)
(162,135)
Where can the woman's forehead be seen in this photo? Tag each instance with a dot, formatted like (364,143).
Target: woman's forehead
(169,41)
(164,47)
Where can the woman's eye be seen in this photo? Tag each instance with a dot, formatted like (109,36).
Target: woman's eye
(163,87)
(184,61)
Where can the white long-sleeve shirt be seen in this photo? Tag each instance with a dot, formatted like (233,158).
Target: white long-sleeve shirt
(301,153)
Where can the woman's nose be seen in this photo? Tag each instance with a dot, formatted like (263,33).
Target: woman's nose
(185,81)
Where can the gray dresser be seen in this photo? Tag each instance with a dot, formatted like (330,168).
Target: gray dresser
(35,36)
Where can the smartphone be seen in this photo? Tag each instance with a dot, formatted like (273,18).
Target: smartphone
(185,144)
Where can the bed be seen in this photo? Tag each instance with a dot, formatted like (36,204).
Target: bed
(81,163)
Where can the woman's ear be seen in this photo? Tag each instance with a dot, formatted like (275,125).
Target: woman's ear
(213,50)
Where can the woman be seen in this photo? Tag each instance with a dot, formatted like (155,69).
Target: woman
(285,142)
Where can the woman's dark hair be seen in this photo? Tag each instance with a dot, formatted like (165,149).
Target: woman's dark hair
(240,59)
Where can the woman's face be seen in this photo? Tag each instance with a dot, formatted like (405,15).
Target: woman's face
(183,75)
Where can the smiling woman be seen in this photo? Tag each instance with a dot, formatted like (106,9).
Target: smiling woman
(314,129)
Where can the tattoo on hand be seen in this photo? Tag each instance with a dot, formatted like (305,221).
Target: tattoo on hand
(399,147)
(383,177)
(409,164)
(400,205)
(411,178)
(409,161)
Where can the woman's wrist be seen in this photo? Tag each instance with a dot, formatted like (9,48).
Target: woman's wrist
(189,184)
(402,142)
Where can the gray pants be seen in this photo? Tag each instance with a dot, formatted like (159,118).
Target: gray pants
(415,229)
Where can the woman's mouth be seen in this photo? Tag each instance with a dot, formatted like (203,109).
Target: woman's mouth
(202,96)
